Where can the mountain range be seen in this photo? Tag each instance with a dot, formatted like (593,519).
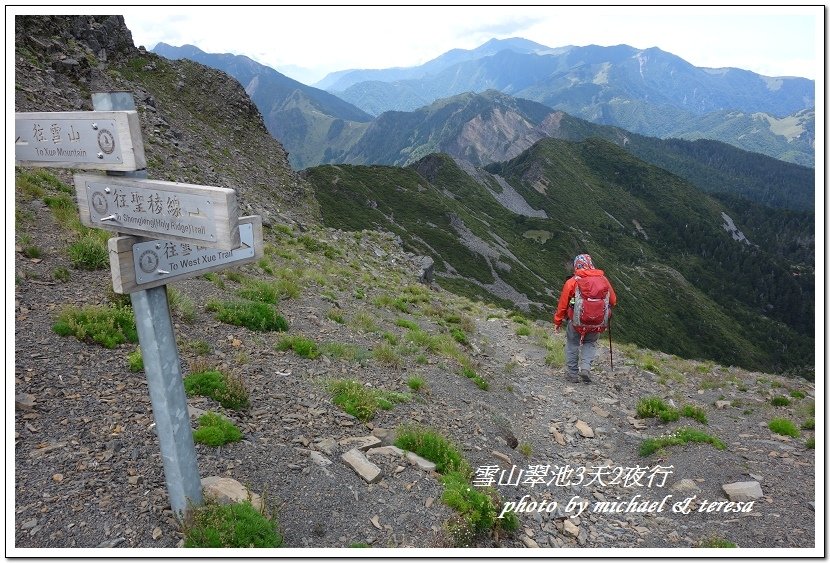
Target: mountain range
(649,92)
(488,184)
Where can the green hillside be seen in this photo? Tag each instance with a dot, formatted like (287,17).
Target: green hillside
(662,242)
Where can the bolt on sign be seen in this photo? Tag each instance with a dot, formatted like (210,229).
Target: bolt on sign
(187,213)
(97,140)
(138,264)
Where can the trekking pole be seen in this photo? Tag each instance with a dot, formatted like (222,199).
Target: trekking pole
(610,346)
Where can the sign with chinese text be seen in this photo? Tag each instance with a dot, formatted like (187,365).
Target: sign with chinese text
(201,215)
(138,265)
(99,140)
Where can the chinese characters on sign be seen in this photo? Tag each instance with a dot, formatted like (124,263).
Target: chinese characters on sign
(99,140)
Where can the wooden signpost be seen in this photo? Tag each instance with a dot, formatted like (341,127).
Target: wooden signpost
(203,215)
(192,230)
(96,140)
(138,265)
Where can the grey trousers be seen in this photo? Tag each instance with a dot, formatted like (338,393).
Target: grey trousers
(573,362)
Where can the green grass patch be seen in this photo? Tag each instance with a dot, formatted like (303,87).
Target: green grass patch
(61,274)
(302,346)
(780,401)
(336,315)
(385,353)
(259,290)
(32,251)
(345,351)
(470,373)
(89,253)
(253,315)
(107,326)
(364,322)
(678,438)
(716,542)
(237,525)
(416,383)
(523,330)
(229,391)
(796,394)
(811,443)
(135,361)
(697,413)
(809,424)
(181,304)
(478,510)
(216,430)
(459,336)
(431,445)
(784,426)
(407,324)
(360,401)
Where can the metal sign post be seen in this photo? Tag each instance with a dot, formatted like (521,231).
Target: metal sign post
(163,370)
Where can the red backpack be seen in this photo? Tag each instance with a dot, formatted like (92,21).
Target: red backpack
(592,309)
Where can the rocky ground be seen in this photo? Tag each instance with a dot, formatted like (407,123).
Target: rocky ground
(88,471)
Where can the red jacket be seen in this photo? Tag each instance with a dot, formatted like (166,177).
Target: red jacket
(569,292)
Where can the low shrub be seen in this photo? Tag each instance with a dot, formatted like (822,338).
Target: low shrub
(478,510)
(416,383)
(89,253)
(716,542)
(216,430)
(784,426)
(107,326)
(431,445)
(680,437)
(302,346)
(694,412)
(230,392)
(135,361)
(360,401)
(253,315)
(231,526)
(780,401)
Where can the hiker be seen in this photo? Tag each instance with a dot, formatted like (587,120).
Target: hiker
(589,294)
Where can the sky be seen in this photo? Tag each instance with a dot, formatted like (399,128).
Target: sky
(307,42)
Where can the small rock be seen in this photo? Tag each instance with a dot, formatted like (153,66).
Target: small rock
(376,522)
(58,477)
(423,464)
(386,450)
(112,543)
(24,402)
(361,443)
(228,491)
(722,404)
(367,470)
(320,459)
(686,486)
(135,479)
(584,430)
(29,524)
(327,445)
(570,528)
(387,437)
(156,533)
(600,411)
(743,491)
(430,500)
(812,505)
(504,457)
(529,542)
(560,439)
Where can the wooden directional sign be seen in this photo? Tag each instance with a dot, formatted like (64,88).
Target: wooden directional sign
(140,264)
(98,140)
(201,215)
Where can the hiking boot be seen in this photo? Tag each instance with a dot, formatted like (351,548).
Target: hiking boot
(585,375)
(571,378)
